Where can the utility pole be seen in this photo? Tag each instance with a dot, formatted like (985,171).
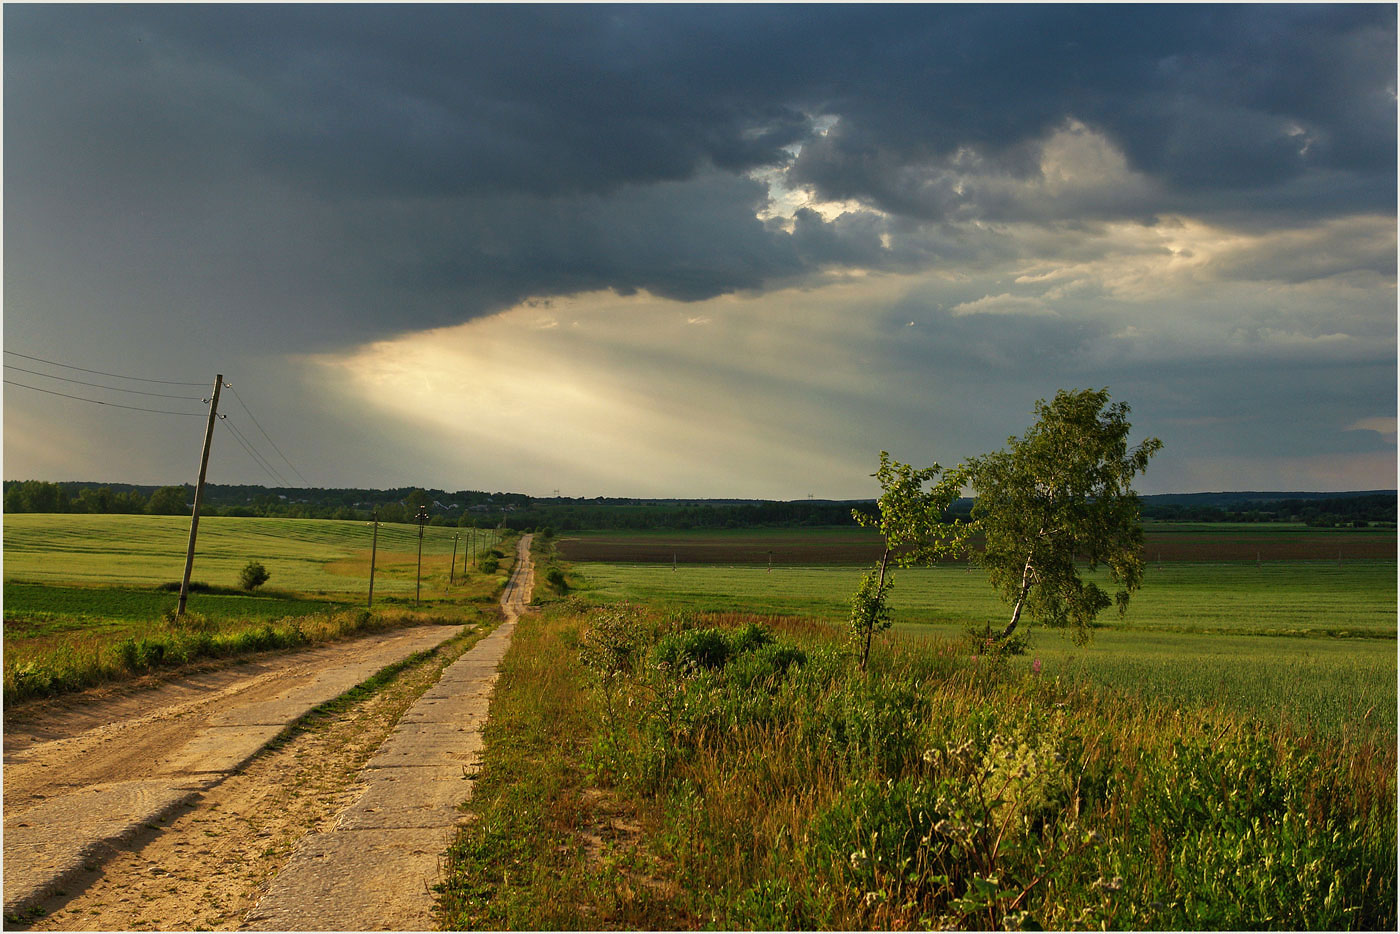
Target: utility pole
(422,518)
(452,571)
(199,494)
(373,552)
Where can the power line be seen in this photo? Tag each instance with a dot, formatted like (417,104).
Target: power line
(267,436)
(137,408)
(257,458)
(69,379)
(69,366)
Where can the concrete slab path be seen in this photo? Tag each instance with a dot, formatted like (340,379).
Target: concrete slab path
(375,870)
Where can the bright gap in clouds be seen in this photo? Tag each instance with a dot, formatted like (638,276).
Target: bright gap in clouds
(637,395)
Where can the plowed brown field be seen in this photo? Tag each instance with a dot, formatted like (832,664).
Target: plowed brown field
(803,548)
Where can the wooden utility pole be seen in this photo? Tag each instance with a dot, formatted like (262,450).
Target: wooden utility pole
(373,552)
(199,494)
(452,571)
(418,584)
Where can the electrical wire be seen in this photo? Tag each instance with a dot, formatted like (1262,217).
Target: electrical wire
(266,435)
(137,408)
(252,452)
(69,379)
(143,379)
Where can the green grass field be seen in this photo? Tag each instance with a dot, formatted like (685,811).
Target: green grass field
(1308,642)
(313,557)
(1295,598)
(83,601)
(35,610)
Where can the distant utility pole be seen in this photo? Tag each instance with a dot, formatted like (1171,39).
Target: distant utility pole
(422,518)
(373,552)
(199,494)
(452,571)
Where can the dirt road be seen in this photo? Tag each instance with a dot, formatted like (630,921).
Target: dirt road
(164,810)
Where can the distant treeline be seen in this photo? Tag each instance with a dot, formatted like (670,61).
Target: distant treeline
(1331,510)
(466,507)
(565,514)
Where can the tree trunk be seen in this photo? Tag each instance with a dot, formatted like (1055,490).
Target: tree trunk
(879,596)
(1020,600)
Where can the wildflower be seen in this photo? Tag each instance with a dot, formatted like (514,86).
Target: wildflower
(1035,667)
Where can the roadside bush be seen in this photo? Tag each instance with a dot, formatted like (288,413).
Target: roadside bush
(556,579)
(693,649)
(253,576)
(195,587)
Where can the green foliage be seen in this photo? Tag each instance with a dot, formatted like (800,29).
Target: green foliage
(253,576)
(36,496)
(555,578)
(870,610)
(168,501)
(1060,493)
(913,522)
(913,514)
(945,795)
(694,649)
(614,642)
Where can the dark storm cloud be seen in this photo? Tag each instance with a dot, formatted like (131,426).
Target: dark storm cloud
(420,164)
(1224,99)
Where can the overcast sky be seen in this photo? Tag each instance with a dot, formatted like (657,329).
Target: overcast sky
(696,251)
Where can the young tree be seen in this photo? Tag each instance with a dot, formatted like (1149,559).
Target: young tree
(253,576)
(1060,491)
(911,522)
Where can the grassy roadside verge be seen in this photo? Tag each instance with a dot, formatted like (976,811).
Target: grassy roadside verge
(649,769)
(85,660)
(548,848)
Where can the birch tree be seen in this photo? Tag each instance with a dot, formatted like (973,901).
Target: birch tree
(910,518)
(1061,492)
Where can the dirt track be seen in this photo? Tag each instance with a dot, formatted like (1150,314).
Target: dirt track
(161,809)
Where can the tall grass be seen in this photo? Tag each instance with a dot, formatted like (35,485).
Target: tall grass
(773,786)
